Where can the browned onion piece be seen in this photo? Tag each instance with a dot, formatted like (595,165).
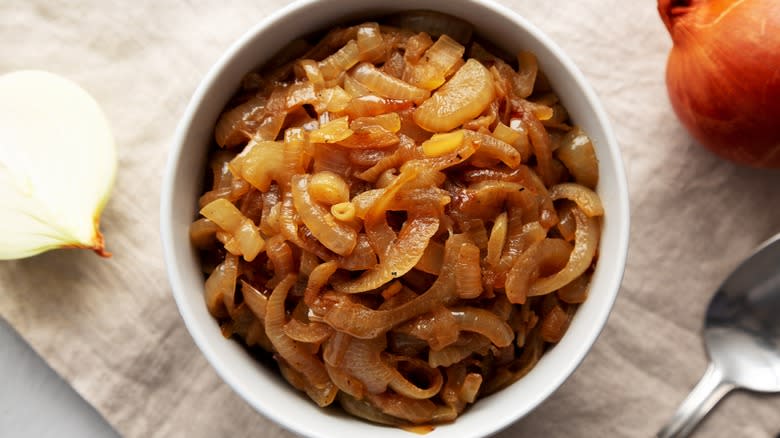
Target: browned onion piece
(435,328)
(370,43)
(332,158)
(529,265)
(468,273)
(518,241)
(337,237)
(484,200)
(363,361)
(280,255)
(486,323)
(391,122)
(323,396)
(406,150)
(567,225)
(467,344)
(310,333)
(370,137)
(439,59)
(540,141)
(395,64)
(554,324)
(335,348)
(497,240)
(288,220)
(309,69)
(523,82)
(414,47)
(470,388)
(586,241)
(361,322)
(587,200)
(256,300)
(259,163)
(203,233)
(340,61)
(269,220)
(575,292)
(220,283)
(415,367)
(291,351)
(396,405)
(235,126)
(492,147)
(345,382)
(244,235)
(384,85)
(401,257)
(460,99)
(317,280)
(577,154)
(372,105)
(432,258)
(362,257)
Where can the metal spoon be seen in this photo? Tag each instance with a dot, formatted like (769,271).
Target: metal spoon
(742,336)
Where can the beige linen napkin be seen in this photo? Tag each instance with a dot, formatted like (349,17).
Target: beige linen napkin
(111,328)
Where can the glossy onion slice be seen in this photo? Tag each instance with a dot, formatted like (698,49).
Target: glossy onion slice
(459,100)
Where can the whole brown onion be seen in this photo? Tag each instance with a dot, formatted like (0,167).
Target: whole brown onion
(723,75)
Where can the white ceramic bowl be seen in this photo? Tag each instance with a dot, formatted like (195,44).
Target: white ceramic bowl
(262,387)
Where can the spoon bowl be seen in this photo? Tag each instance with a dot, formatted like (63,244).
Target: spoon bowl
(742,336)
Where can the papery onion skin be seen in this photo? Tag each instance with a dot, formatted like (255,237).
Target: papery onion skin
(722,75)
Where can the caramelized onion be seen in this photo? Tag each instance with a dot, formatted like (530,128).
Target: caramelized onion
(365,363)
(467,344)
(432,258)
(401,257)
(221,283)
(416,367)
(497,240)
(586,241)
(439,59)
(310,333)
(362,322)
(485,323)
(577,154)
(587,200)
(384,85)
(339,238)
(398,206)
(468,274)
(256,300)
(370,42)
(317,279)
(341,61)
(291,351)
(529,267)
(396,405)
(554,324)
(461,98)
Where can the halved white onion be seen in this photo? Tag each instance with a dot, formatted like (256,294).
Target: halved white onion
(57,165)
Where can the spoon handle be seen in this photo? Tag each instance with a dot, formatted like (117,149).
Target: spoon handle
(710,389)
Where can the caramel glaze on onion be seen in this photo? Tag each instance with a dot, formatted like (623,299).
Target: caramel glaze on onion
(403,220)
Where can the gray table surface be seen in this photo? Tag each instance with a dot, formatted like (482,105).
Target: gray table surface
(36,402)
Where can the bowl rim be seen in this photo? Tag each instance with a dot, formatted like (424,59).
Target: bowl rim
(177,150)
